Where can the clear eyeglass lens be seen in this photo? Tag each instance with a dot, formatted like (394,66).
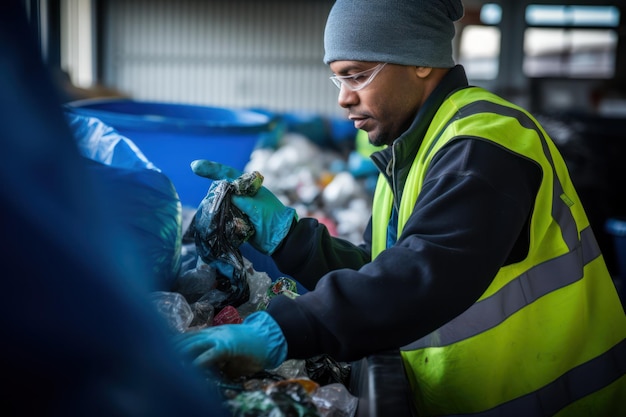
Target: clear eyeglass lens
(359,80)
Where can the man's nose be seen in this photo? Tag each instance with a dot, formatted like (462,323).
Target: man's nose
(347,97)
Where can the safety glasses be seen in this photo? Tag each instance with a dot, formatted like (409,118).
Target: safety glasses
(358,81)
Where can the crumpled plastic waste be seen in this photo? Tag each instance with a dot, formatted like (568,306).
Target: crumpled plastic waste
(326,370)
(281,398)
(292,369)
(324,379)
(194,283)
(173,307)
(298,173)
(228,315)
(265,396)
(258,282)
(334,400)
(283,285)
(219,228)
(203,314)
(198,287)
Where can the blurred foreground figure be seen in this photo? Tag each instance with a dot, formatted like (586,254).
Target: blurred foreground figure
(80,336)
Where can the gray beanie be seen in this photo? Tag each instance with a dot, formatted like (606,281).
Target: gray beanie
(406,32)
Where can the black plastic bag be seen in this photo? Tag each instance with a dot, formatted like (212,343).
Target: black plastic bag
(219,228)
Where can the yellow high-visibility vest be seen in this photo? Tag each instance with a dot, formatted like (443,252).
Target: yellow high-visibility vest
(548,335)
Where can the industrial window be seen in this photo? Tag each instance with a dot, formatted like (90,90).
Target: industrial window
(479,47)
(570,41)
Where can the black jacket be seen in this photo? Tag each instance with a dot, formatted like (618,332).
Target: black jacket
(470,219)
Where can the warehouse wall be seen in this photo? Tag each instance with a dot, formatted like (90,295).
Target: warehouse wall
(235,53)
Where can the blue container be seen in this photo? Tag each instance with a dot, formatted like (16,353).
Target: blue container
(342,132)
(312,125)
(617,228)
(173,135)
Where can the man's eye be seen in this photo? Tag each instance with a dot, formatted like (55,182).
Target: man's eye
(359,78)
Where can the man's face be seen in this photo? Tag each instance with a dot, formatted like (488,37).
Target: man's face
(386,107)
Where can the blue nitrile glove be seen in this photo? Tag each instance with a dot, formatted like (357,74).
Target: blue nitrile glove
(237,349)
(270,218)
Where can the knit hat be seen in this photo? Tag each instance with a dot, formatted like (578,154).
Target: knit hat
(406,32)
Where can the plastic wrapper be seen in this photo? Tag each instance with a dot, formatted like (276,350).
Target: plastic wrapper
(203,314)
(194,283)
(291,369)
(334,400)
(174,309)
(324,370)
(228,315)
(286,398)
(283,285)
(218,229)
(259,282)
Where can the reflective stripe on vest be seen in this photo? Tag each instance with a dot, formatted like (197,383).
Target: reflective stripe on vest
(477,363)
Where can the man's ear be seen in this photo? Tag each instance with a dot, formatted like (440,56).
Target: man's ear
(423,72)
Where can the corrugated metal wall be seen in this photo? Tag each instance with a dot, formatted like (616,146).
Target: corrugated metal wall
(232,53)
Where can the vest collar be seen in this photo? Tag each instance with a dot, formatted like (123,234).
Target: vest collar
(395,161)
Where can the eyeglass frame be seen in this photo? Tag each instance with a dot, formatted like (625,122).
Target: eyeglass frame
(339,80)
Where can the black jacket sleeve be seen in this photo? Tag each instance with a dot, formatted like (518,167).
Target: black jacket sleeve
(471,218)
(308,252)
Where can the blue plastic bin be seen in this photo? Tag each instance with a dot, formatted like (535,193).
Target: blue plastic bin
(173,135)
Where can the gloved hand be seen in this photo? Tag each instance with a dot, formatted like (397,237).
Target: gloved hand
(270,218)
(237,349)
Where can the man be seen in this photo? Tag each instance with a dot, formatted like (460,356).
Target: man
(478,263)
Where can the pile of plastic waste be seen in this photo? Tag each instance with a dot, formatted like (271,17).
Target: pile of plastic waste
(318,182)
(315,387)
